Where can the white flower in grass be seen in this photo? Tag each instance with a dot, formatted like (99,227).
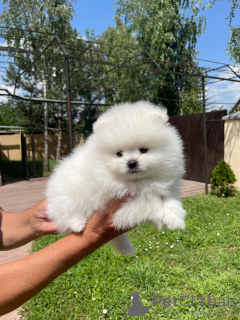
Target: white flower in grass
(105,311)
(150,247)
(157,246)
(93,299)
(136,256)
(177,240)
(75,292)
(119,278)
(146,249)
(166,242)
(139,245)
(163,232)
(150,242)
(172,246)
(218,234)
(227,214)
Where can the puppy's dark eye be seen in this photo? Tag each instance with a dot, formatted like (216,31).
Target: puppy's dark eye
(119,154)
(143,150)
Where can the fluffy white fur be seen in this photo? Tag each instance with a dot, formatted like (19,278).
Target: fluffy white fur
(94,174)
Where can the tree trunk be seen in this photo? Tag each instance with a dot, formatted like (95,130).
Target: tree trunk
(32,140)
(59,143)
(46,152)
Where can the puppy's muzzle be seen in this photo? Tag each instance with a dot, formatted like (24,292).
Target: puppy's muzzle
(132,165)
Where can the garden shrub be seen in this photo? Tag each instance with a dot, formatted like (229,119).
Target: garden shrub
(222,180)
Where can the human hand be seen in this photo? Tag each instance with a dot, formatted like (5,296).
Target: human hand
(100,227)
(22,227)
(39,221)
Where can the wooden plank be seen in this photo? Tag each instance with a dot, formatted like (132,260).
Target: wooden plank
(190,127)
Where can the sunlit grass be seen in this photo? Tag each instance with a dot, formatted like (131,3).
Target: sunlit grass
(201,261)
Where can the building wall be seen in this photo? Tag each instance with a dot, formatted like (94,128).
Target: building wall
(39,146)
(232,147)
(10,146)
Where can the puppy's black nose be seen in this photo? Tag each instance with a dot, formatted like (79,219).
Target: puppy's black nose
(132,164)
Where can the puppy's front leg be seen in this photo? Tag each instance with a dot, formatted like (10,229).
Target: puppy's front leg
(173,213)
(143,208)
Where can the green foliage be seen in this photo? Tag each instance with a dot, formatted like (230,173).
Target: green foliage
(47,15)
(31,25)
(11,115)
(199,261)
(169,31)
(14,169)
(234,44)
(222,180)
(88,115)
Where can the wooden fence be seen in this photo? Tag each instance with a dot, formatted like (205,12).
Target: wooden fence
(190,128)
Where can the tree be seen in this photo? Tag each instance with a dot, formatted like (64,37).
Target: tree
(168,29)
(222,180)
(121,85)
(233,48)
(11,115)
(39,17)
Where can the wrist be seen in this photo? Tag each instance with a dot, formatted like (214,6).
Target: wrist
(16,229)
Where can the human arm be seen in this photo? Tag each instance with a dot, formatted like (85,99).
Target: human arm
(17,229)
(21,280)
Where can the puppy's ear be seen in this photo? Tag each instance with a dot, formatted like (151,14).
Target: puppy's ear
(97,125)
(161,115)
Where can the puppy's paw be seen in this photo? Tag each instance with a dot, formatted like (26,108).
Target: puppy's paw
(126,251)
(78,228)
(158,223)
(173,215)
(71,225)
(123,220)
(123,245)
(172,221)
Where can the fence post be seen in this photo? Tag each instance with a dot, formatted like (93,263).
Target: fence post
(24,158)
(69,107)
(32,137)
(0,167)
(204,136)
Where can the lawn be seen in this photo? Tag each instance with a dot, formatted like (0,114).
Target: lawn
(201,262)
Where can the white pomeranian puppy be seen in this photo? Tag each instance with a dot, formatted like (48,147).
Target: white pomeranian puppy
(132,150)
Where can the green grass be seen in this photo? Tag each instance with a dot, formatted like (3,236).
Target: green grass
(201,260)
